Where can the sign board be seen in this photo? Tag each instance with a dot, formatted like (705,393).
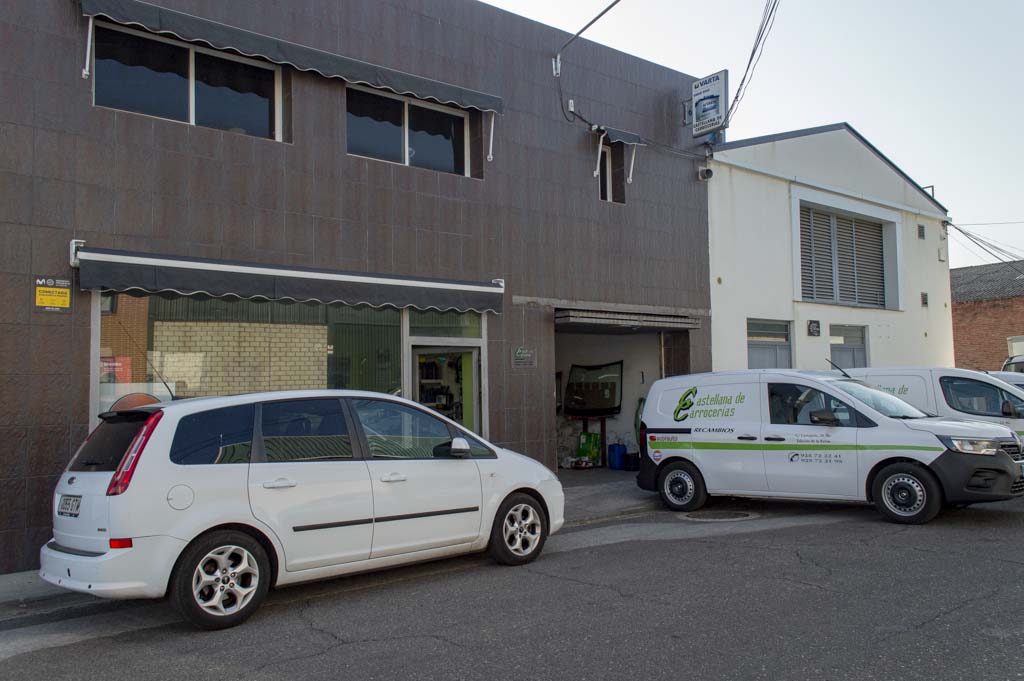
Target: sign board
(710,103)
(52,294)
(813,328)
(524,357)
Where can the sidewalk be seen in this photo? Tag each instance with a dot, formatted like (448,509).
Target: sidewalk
(598,493)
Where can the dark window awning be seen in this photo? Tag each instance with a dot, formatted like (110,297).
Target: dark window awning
(102,269)
(223,37)
(614,135)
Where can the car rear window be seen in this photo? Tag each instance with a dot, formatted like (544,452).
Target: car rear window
(105,447)
(215,436)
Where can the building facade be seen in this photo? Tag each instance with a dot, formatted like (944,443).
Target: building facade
(988,314)
(204,198)
(823,250)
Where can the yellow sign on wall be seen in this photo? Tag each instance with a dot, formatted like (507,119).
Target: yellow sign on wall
(52,294)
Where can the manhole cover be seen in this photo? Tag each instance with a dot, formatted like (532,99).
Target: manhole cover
(717,516)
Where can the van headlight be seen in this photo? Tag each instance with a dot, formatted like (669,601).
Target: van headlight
(970,445)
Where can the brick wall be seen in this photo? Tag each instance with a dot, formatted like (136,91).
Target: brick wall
(123,339)
(227,358)
(980,330)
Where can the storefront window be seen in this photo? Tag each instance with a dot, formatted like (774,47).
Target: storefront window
(192,346)
(444,324)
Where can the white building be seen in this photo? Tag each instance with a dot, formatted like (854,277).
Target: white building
(822,248)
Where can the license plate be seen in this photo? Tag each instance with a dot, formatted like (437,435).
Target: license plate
(69,505)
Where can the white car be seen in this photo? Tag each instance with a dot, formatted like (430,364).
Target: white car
(216,500)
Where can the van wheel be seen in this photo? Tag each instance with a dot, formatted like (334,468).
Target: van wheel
(220,580)
(519,530)
(681,486)
(907,493)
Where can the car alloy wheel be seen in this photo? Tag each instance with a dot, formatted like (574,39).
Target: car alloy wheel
(522,529)
(225,580)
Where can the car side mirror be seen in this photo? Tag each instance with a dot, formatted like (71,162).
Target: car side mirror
(460,448)
(824,417)
(1008,410)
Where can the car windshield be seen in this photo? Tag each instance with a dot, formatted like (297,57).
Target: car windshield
(879,400)
(1016,366)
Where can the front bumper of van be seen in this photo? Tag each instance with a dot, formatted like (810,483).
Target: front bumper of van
(139,572)
(972,478)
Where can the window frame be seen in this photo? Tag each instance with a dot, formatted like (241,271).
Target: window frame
(606,154)
(192,50)
(855,416)
(1003,396)
(259,454)
(412,101)
(454,431)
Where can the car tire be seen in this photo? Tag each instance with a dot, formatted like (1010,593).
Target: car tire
(220,580)
(519,531)
(907,493)
(682,487)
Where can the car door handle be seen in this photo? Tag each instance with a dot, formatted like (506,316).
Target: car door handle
(774,438)
(747,437)
(393,477)
(280,483)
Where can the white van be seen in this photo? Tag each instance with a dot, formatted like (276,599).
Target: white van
(814,435)
(1014,378)
(955,393)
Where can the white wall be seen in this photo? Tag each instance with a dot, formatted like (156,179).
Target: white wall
(754,243)
(641,365)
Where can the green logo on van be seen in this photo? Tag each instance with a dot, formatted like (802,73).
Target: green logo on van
(685,402)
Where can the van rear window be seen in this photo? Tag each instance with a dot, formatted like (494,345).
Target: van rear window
(103,451)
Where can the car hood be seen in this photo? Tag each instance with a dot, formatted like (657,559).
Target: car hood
(959,428)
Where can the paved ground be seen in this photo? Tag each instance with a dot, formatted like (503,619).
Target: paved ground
(798,591)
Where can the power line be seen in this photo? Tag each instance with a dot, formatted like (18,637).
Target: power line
(991,249)
(988,224)
(763,30)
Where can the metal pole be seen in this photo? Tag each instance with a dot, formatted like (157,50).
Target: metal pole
(490,141)
(600,143)
(556,63)
(88,50)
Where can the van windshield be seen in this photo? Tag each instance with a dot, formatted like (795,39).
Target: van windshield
(879,400)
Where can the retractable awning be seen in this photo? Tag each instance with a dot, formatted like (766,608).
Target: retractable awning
(611,322)
(623,136)
(224,37)
(103,269)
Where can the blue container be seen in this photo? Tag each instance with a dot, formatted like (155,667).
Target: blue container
(617,457)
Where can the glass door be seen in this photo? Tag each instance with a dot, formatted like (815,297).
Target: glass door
(448,381)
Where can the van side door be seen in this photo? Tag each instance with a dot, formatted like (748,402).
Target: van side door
(810,440)
(717,426)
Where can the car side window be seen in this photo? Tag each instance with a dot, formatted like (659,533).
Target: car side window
(971,396)
(800,405)
(214,437)
(395,431)
(305,430)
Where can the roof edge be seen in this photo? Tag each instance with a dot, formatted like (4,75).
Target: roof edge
(832,127)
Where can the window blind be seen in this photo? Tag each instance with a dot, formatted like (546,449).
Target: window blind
(841,259)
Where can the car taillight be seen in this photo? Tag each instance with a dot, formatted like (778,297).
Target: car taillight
(643,439)
(126,469)
(121,543)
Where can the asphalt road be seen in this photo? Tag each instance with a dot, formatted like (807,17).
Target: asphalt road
(797,591)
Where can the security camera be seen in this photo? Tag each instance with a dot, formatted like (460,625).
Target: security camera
(704,174)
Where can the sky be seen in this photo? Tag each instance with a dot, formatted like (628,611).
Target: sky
(934,84)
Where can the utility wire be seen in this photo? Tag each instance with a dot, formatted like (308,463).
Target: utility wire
(763,30)
(988,224)
(992,250)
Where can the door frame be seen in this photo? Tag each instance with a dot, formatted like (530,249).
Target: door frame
(410,342)
(418,350)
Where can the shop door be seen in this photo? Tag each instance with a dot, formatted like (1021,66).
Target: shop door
(448,381)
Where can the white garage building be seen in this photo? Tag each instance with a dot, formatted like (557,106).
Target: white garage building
(864,247)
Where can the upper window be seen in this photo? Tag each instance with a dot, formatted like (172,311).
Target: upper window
(604,173)
(799,405)
(841,259)
(305,430)
(611,173)
(214,436)
(976,397)
(395,431)
(158,77)
(768,345)
(400,130)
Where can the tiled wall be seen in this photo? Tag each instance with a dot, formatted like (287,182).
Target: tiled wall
(228,358)
(120,180)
